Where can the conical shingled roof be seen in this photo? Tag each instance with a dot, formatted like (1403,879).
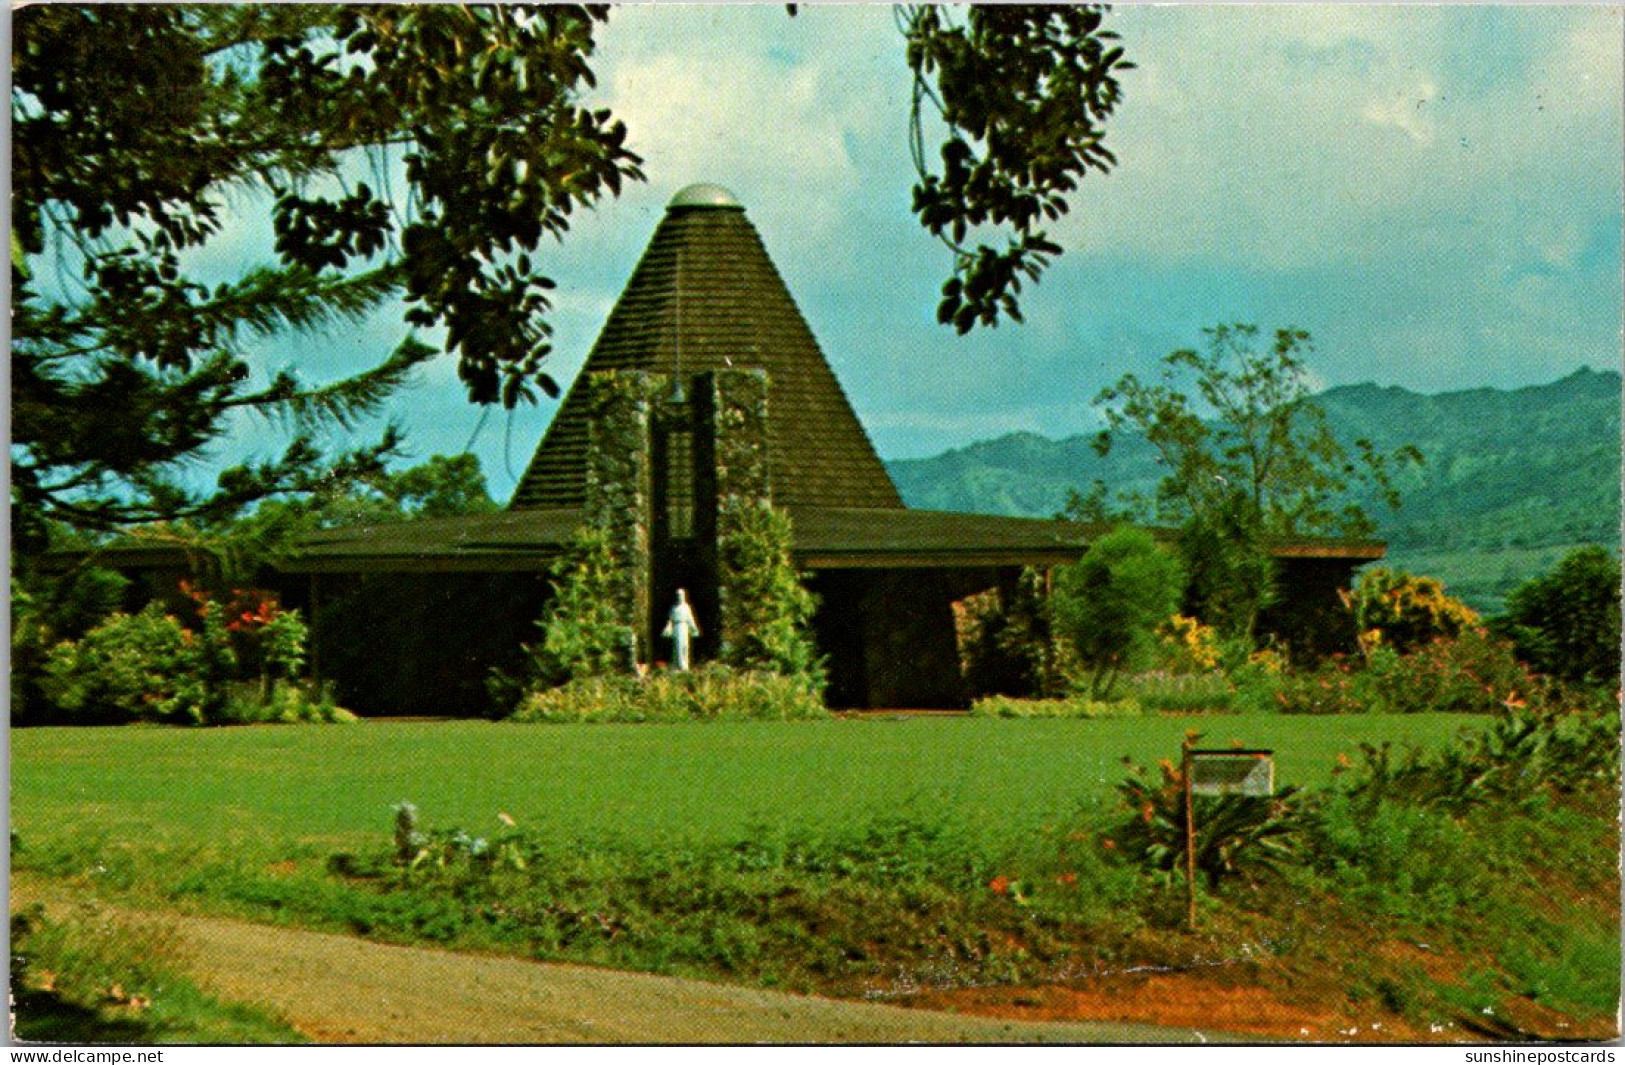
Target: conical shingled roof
(705,296)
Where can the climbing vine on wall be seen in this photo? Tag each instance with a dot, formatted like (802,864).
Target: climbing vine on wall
(766,612)
(583,632)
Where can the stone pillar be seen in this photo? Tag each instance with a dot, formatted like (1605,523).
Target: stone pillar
(731,460)
(620,494)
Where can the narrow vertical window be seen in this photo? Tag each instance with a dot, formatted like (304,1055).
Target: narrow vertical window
(680,484)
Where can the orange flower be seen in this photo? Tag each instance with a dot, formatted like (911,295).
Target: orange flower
(1000,884)
(1067,879)
(1109,844)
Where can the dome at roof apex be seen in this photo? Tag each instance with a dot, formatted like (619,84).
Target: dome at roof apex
(704,194)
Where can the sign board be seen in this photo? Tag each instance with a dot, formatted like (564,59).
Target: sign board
(1232,772)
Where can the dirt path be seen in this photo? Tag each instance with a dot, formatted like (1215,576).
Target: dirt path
(340,989)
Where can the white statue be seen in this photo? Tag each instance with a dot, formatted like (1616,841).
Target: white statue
(681,627)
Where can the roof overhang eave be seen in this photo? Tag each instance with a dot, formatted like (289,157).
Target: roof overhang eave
(459,562)
(816,559)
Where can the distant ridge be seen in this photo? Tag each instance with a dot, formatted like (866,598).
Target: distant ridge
(1512,477)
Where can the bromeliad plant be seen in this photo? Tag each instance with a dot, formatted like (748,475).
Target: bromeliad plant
(1235,834)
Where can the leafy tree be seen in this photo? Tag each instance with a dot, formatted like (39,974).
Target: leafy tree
(1566,623)
(1109,603)
(1230,573)
(1249,458)
(237,549)
(141,132)
(444,486)
(133,364)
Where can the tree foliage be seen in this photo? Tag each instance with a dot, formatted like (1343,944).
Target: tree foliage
(419,153)
(1252,440)
(239,548)
(128,361)
(1024,92)
(1566,623)
(1109,603)
(1249,459)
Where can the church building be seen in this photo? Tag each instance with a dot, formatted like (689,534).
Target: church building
(707,384)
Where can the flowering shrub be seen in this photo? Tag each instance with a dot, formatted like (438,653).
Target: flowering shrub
(1334,688)
(1402,612)
(1188,646)
(151,666)
(131,667)
(1473,673)
(1268,661)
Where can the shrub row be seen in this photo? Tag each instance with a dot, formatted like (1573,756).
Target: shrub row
(237,663)
(710,692)
(1076,706)
(1472,673)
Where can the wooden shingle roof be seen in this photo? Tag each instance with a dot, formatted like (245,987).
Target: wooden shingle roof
(705,296)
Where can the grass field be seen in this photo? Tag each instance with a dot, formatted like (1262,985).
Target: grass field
(850,855)
(335,786)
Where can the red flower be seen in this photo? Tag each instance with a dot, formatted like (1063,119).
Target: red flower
(1067,879)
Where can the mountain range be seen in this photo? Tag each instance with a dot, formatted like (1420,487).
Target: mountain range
(1511,479)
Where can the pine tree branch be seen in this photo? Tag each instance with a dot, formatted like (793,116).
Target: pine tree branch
(343,403)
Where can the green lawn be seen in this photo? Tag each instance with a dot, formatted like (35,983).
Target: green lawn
(333,786)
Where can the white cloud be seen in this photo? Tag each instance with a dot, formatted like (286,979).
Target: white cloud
(1288,136)
(1421,187)
(747,97)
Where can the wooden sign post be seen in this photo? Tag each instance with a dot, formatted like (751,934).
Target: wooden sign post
(1217,772)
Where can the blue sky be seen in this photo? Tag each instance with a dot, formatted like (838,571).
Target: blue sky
(1433,192)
